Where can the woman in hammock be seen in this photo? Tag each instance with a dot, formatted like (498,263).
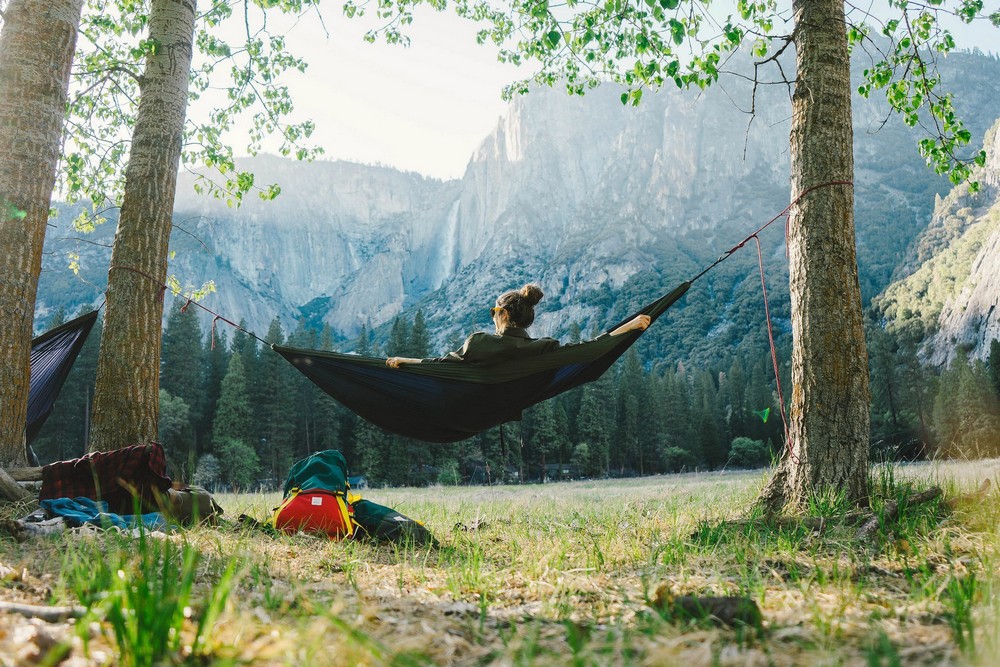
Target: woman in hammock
(513,314)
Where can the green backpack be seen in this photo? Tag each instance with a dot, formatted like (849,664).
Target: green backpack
(383,524)
(315,497)
(322,470)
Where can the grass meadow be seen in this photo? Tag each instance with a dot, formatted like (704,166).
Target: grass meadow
(573,573)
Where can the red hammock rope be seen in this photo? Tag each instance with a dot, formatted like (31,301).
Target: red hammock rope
(190,302)
(767,310)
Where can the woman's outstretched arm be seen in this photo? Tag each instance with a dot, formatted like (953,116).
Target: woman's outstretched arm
(396,362)
(637,322)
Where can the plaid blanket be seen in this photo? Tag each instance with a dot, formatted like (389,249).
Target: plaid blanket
(117,477)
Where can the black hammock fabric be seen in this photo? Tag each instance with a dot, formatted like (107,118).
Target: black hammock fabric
(52,356)
(450,401)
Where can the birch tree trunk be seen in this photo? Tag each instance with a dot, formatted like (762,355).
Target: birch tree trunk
(126,398)
(36,52)
(830,396)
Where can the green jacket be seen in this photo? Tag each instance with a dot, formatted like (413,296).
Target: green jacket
(514,343)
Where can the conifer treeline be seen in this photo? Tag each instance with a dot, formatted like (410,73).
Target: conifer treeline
(234,413)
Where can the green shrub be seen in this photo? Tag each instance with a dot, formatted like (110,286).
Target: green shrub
(747,453)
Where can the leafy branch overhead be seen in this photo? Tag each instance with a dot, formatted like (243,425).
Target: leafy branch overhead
(646,44)
(232,79)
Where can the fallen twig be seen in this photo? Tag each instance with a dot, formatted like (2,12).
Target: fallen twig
(891,511)
(47,614)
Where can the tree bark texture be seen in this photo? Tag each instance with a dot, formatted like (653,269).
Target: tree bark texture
(126,398)
(829,423)
(36,53)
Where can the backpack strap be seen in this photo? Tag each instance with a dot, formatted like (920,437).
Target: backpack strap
(292,493)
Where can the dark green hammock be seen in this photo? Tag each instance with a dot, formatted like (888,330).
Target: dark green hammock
(450,401)
(52,357)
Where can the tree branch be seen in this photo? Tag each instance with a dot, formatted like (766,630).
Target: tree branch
(48,614)
(891,511)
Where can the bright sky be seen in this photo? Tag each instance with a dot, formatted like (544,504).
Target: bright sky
(420,108)
(425,107)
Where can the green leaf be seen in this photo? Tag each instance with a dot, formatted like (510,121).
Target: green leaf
(677,31)
(553,38)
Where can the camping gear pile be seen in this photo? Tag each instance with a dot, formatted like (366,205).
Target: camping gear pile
(317,499)
(128,489)
(122,489)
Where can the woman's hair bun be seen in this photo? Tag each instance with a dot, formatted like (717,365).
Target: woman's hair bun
(532,294)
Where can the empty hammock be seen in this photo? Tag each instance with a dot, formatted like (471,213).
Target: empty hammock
(450,401)
(52,356)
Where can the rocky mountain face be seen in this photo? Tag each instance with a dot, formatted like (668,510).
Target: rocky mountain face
(604,206)
(953,293)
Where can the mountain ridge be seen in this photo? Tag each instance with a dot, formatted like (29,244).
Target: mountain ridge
(602,204)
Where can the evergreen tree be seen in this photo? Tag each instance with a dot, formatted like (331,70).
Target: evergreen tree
(371,444)
(418,453)
(305,397)
(547,439)
(176,434)
(208,473)
(966,411)
(712,437)
(275,409)
(246,347)
(734,392)
(233,414)
(628,454)
(399,339)
(678,427)
(764,423)
(889,427)
(239,463)
(596,424)
(216,356)
(994,364)
(181,359)
(330,414)
(58,318)
(182,375)
(419,340)
(363,345)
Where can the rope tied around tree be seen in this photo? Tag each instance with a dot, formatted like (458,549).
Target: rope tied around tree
(763,285)
(190,301)
(162,286)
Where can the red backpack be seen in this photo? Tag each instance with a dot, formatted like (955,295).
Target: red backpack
(316,497)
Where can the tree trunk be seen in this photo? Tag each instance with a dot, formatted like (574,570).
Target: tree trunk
(36,52)
(126,398)
(830,397)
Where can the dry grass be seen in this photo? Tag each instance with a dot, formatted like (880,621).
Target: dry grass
(564,573)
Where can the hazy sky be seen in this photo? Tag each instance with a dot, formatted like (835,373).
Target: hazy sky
(421,108)
(425,107)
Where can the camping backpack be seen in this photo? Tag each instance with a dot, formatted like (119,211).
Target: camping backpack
(315,497)
(383,524)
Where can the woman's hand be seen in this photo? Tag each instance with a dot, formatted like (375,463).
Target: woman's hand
(396,362)
(637,322)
